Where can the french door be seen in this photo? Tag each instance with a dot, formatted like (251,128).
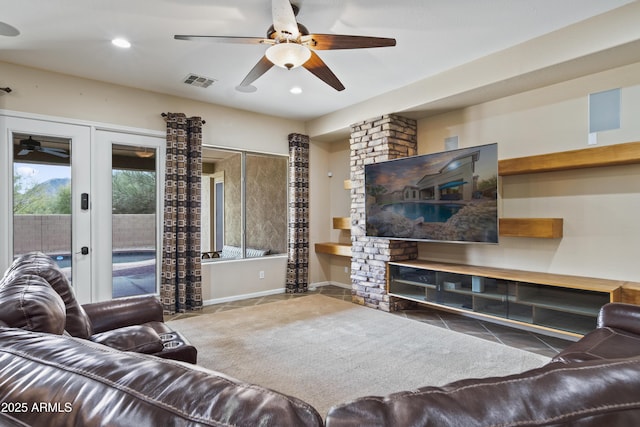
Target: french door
(126,213)
(58,185)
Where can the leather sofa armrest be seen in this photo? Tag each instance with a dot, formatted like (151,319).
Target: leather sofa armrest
(620,316)
(121,312)
(138,338)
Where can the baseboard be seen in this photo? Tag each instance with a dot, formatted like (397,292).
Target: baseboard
(313,286)
(243,296)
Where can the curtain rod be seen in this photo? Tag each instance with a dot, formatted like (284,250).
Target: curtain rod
(165,115)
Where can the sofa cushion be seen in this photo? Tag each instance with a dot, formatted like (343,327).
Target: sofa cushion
(595,393)
(77,324)
(98,386)
(28,302)
(138,338)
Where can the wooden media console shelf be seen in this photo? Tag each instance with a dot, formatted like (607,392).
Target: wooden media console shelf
(563,304)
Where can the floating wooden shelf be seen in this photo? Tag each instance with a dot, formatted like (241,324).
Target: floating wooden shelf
(545,228)
(608,155)
(341,223)
(339,249)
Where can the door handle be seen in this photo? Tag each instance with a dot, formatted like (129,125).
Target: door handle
(84,201)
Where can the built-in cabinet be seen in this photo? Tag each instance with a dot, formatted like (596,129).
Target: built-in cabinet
(553,302)
(559,303)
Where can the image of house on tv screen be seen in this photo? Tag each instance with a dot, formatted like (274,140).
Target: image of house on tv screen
(449,196)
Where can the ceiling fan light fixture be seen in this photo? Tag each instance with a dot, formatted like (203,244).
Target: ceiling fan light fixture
(144,153)
(288,55)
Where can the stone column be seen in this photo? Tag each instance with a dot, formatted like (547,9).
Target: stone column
(375,140)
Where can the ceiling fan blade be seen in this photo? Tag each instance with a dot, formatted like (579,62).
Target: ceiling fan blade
(318,68)
(8,30)
(259,69)
(223,39)
(338,41)
(24,152)
(284,19)
(54,152)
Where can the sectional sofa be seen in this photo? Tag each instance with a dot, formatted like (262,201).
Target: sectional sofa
(50,377)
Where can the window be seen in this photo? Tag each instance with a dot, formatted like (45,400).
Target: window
(244,204)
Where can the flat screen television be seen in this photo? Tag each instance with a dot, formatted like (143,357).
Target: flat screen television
(446,197)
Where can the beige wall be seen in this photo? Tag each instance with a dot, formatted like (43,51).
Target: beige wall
(603,42)
(62,96)
(329,199)
(59,95)
(599,205)
(553,74)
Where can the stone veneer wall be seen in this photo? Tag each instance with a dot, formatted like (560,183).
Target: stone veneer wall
(375,140)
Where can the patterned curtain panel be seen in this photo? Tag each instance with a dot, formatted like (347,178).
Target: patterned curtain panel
(181,287)
(298,263)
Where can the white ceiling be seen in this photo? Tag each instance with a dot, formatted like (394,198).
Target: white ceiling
(73,37)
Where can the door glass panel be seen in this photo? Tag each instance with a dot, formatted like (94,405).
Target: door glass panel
(42,197)
(134,218)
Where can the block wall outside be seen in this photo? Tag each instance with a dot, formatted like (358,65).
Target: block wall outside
(52,233)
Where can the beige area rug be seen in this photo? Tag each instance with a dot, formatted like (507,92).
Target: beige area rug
(327,351)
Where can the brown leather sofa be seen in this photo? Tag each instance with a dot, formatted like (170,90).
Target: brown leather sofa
(65,364)
(50,378)
(594,382)
(58,381)
(128,324)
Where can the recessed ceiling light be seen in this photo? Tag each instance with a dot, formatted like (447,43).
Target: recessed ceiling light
(123,43)
(296,90)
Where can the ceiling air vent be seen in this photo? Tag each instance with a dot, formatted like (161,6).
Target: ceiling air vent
(198,81)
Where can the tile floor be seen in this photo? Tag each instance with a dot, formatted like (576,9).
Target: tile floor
(525,340)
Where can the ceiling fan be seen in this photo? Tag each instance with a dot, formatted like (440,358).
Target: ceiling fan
(291,46)
(30,145)
(8,30)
